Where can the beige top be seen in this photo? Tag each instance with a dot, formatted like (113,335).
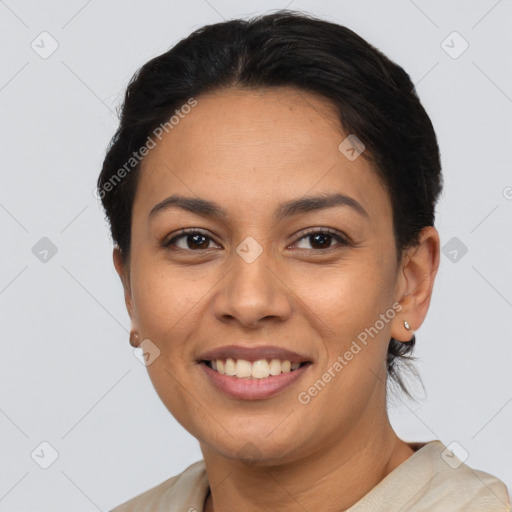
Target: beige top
(431,479)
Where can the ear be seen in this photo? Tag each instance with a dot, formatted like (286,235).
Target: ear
(123,271)
(415,283)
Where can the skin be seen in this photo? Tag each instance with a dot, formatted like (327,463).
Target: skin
(250,151)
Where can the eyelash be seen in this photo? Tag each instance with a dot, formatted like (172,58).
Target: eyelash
(342,240)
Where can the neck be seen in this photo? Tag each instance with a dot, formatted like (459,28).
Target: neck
(336,476)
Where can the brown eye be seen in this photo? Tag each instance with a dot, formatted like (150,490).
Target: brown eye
(322,239)
(193,240)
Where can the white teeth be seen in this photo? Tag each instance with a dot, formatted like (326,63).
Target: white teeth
(243,368)
(275,367)
(260,369)
(230,366)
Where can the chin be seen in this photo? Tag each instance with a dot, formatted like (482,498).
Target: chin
(255,449)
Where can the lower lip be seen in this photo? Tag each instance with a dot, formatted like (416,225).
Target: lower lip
(253,389)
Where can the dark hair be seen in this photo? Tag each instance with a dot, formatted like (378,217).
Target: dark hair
(374,97)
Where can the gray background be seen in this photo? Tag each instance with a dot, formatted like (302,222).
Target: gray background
(68,375)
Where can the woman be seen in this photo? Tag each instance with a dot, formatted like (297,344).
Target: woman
(271,193)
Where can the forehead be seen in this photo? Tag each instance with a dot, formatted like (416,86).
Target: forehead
(239,146)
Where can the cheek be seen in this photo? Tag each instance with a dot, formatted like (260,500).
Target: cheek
(348,303)
(166,300)
(345,300)
(172,385)
(167,303)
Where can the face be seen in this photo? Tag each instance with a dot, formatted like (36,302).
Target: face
(304,279)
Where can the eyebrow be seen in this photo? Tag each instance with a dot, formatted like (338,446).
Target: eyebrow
(206,208)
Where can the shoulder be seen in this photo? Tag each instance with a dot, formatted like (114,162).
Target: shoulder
(450,484)
(183,492)
(434,479)
(468,488)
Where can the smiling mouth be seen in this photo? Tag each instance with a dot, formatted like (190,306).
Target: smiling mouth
(260,369)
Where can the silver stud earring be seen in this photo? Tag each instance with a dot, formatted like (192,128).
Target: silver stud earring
(406,325)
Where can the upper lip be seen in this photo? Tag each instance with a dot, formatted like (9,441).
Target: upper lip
(253,353)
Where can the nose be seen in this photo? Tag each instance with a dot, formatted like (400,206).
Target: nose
(253,293)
